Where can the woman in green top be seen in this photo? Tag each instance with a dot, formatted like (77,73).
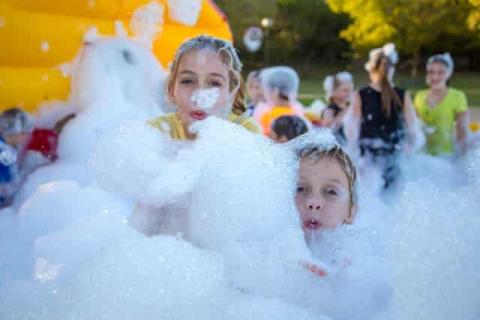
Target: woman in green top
(442,108)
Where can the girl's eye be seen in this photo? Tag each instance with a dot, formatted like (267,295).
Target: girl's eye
(215,83)
(187,81)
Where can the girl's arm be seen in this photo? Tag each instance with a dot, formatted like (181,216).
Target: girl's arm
(415,136)
(462,119)
(352,119)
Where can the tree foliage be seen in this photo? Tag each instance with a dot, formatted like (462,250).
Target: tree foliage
(303,31)
(311,30)
(474,18)
(414,26)
(328,31)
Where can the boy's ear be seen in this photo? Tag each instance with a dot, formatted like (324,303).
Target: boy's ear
(351,215)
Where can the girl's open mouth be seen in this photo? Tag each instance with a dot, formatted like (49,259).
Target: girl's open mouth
(198,115)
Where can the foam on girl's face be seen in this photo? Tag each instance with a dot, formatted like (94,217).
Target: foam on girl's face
(205,98)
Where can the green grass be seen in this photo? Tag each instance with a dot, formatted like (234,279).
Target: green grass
(311,87)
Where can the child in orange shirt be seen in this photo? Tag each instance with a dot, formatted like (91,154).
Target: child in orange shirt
(280,87)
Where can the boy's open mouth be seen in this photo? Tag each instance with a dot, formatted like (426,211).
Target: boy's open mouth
(312,224)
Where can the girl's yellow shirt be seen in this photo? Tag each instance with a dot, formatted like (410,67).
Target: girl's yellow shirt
(173,123)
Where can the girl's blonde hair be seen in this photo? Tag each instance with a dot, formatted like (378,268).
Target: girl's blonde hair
(316,152)
(229,57)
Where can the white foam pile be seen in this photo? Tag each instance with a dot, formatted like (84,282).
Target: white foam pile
(129,224)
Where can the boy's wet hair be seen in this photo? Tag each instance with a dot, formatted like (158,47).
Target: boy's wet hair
(229,57)
(15,121)
(317,152)
(289,127)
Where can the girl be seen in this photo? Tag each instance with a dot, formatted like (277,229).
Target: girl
(204,80)
(280,88)
(339,91)
(442,108)
(382,115)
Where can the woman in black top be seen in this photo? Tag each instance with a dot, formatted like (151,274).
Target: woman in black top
(384,115)
(339,91)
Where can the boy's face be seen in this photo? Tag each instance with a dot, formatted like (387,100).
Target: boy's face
(255,90)
(323,196)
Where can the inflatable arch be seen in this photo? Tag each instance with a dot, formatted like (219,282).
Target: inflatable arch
(38,36)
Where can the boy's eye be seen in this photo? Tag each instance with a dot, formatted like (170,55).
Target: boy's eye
(302,189)
(331,191)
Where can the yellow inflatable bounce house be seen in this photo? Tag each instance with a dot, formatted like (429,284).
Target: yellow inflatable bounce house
(38,36)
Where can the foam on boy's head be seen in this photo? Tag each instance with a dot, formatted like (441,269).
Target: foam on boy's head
(320,144)
(229,57)
(322,139)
